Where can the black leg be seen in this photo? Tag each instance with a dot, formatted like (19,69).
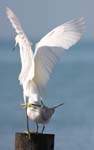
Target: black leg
(37,127)
(43,128)
(27,121)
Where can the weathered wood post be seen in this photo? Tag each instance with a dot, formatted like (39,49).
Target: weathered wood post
(36,141)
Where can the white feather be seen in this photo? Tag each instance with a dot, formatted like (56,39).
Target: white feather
(64,35)
(14,21)
(26,52)
(51,47)
(37,68)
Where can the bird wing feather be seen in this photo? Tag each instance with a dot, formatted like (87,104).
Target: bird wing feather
(51,47)
(26,52)
(14,21)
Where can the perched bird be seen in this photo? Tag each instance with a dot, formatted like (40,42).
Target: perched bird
(38,66)
(40,113)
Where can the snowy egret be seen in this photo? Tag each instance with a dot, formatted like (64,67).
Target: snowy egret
(38,66)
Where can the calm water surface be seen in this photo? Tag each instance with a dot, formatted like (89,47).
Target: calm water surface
(72,83)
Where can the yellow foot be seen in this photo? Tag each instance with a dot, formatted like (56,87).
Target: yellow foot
(28,133)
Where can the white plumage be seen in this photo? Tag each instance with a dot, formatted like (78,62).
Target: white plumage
(37,68)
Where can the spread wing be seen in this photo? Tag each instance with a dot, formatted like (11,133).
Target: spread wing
(14,21)
(26,52)
(51,47)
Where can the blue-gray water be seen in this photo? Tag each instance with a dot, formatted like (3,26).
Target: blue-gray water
(72,83)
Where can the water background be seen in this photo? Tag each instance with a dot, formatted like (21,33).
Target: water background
(71,83)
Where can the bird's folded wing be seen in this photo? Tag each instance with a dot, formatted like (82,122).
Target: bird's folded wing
(51,47)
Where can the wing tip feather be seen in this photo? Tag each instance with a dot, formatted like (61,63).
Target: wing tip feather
(8,10)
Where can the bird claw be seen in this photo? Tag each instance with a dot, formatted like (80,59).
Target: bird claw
(28,133)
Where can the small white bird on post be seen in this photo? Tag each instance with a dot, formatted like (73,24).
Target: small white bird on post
(40,113)
(38,66)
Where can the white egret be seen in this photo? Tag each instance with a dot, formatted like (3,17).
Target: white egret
(38,66)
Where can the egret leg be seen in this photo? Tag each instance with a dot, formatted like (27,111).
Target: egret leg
(27,120)
(37,127)
(43,128)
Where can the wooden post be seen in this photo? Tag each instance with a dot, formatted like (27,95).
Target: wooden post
(36,141)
